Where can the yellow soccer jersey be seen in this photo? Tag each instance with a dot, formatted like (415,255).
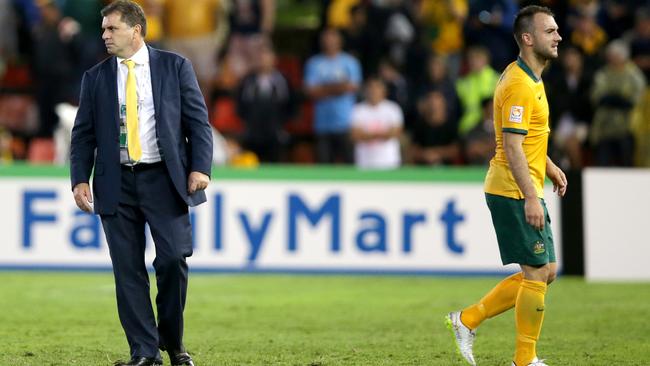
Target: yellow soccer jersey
(520,106)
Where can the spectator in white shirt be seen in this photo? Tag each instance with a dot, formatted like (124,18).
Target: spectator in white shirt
(376,126)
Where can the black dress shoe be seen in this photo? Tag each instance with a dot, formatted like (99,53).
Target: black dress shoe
(181,359)
(140,361)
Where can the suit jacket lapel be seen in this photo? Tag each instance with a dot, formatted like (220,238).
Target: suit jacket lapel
(111,89)
(156,83)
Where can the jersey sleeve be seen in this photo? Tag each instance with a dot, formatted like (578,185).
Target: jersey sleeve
(517,109)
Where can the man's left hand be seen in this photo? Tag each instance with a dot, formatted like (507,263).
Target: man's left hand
(556,175)
(197,181)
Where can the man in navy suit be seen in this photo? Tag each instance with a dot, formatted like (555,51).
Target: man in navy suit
(142,124)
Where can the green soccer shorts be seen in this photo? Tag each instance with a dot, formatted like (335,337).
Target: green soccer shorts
(519,242)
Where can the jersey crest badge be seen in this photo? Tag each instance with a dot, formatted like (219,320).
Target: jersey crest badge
(538,247)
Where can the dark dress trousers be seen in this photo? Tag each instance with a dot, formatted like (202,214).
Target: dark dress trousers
(156,194)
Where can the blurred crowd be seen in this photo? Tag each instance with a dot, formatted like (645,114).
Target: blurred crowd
(380,84)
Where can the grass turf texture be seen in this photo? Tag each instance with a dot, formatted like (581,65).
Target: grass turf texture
(71,319)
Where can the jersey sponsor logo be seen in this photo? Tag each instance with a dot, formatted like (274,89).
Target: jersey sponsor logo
(538,247)
(516,114)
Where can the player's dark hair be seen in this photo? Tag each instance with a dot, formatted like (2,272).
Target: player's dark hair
(524,20)
(130,11)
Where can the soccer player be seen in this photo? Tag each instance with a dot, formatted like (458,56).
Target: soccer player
(514,192)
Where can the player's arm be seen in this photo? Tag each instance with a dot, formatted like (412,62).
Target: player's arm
(556,175)
(518,101)
(512,144)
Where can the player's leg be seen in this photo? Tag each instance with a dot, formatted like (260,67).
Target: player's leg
(529,312)
(539,266)
(552,272)
(499,299)
(534,250)
(464,323)
(511,230)
(502,297)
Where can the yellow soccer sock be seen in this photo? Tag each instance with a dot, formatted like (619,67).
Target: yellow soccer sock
(499,299)
(529,315)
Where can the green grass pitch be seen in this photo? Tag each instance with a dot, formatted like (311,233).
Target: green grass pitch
(71,319)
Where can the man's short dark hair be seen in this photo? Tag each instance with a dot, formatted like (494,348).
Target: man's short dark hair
(130,11)
(374,78)
(524,20)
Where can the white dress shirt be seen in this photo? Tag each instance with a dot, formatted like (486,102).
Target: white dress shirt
(146,111)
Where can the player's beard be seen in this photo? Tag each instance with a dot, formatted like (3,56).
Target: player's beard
(545,54)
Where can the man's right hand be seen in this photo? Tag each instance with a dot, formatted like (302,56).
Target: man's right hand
(534,213)
(83,197)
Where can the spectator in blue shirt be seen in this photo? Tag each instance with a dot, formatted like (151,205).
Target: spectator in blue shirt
(332,79)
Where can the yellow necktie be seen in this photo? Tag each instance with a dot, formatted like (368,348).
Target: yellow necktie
(132,132)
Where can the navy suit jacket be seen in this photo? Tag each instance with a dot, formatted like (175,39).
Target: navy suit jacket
(183,133)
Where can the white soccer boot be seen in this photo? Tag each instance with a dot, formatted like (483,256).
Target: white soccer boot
(536,362)
(464,336)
